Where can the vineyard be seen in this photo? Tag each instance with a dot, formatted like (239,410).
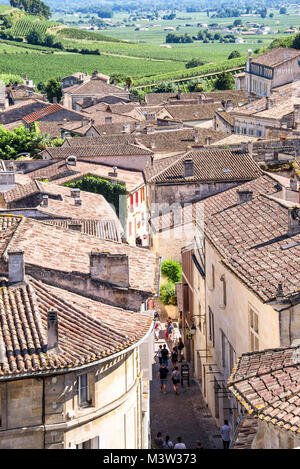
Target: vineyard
(40,66)
(74,33)
(192,72)
(31,23)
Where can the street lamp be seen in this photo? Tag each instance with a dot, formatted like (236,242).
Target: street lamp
(193,329)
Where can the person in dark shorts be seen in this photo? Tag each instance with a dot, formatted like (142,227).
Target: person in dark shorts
(162,375)
(165,355)
(175,377)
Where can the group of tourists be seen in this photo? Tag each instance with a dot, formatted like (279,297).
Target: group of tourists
(163,372)
(167,443)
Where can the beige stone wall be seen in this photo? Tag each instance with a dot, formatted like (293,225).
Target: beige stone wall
(114,413)
(168,243)
(269,436)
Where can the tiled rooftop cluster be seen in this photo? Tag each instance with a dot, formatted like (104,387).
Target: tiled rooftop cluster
(267,383)
(254,243)
(83,336)
(216,165)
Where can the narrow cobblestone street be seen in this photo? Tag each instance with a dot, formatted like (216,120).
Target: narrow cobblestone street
(184,415)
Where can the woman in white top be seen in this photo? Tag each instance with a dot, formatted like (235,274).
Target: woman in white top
(179,444)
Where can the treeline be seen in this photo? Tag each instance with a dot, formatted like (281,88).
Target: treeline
(32,7)
(48,40)
(178,38)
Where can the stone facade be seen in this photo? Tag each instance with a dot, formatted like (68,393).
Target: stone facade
(45,412)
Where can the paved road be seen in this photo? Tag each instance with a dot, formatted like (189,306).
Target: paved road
(184,415)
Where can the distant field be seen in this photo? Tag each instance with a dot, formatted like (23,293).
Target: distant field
(41,67)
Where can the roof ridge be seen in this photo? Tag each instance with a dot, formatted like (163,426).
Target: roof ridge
(14,236)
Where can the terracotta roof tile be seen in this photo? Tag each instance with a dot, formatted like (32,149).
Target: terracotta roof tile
(96,150)
(275,57)
(267,383)
(87,330)
(211,165)
(37,115)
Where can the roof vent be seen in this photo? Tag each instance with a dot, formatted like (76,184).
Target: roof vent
(78,201)
(71,160)
(52,329)
(45,200)
(75,192)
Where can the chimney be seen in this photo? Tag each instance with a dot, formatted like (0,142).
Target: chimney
(293,221)
(201,98)
(75,226)
(270,102)
(249,60)
(279,293)
(85,121)
(78,201)
(16,267)
(108,120)
(293,184)
(244,196)
(126,128)
(208,140)
(297,116)
(45,200)
(75,193)
(188,168)
(54,100)
(111,268)
(153,144)
(243,147)
(229,106)
(250,148)
(71,160)
(196,135)
(179,94)
(52,329)
(114,173)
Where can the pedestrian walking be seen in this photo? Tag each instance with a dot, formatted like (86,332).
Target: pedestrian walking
(168,443)
(162,375)
(175,377)
(174,357)
(179,444)
(159,442)
(180,347)
(159,356)
(165,355)
(225,433)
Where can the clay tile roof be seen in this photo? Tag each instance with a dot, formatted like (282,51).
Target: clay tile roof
(66,250)
(171,140)
(104,229)
(216,203)
(20,192)
(84,337)
(96,150)
(253,240)
(267,383)
(192,112)
(211,165)
(37,115)
(246,433)
(275,57)
(53,171)
(18,111)
(94,87)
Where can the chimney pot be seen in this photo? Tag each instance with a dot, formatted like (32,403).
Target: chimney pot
(75,192)
(45,200)
(52,329)
(196,135)
(244,196)
(16,267)
(71,160)
(78,201)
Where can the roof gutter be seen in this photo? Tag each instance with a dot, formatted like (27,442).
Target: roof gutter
(86,365)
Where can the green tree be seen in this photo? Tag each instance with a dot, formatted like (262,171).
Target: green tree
(234,54)
(167,293)
(225,81)
(296,42)
(129,82)
(33,7)
(172,270)
(35,37)
(194,63)
(23,140)
(53,89)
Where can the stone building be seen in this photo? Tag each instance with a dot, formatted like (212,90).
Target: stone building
(72,370)
(274,68)
(240,286)
(267,385)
